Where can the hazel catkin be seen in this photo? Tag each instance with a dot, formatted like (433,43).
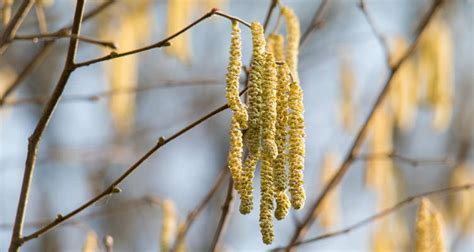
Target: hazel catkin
(266,199)
(293,39)
(235,152)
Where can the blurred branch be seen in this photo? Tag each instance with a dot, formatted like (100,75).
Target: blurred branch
(105,94)
(15,24)
(41,17)
(200,207)
(316,21)
(354,149)
(384,213)
(410,161)
(63,34)
(268,17)
(226,209)
(41,54)
(35,138)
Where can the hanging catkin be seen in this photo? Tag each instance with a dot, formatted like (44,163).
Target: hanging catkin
(346,110)
(235,152)
(429,229)
(254,113)
(168,225)
(279,164)
(91,242)
(461,204)
(296,150)
(330,209)
(6,11)
(179,14)
(293,40)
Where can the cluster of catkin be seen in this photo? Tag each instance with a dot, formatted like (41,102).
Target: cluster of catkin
(273,123)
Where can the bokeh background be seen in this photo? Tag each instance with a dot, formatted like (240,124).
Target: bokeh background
(82,150)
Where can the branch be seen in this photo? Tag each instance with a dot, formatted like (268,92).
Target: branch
(40,56)
(15,24)
(316,21)
(226,209)
(312,214)
(384,213)
(163,43)
(105,94)
(410,161)
(62,34)
(35,138)
(200,207)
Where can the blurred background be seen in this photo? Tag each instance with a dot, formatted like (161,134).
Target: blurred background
(94,134)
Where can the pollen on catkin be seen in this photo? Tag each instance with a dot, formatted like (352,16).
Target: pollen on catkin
(168,225)
(266,199)
(279,164)
(235,152)
(429,229)
(275,45)
(269,113)
(293,40)
(232,78)
(254,116)
(296,150)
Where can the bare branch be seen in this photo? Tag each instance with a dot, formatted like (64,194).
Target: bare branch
(223,221)
(352,153)
(316,21)
(408,160)
(384,213)
(35,138)
(15,24)
(64,34)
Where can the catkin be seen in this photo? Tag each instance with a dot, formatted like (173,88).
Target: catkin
(6,11)
(347,110)
(293,40)
(330,209)
(168,225)
(266,200)
(296,150)
(179,12)
(429,229)
(461,204)
(279,164)
(235,152)
(232,78)
(90,244)
(269,103)
(254,116)
(275,45)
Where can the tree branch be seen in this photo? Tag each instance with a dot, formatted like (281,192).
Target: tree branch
(35,138)
(408,160)
(15,24)
(61,34)
(312,214)
(316,21)
(223,221)
(384,213)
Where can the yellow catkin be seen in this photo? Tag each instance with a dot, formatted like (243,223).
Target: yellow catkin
(347,109)
(279,164)
(45,3)
(6,11)
(235,152)
(91,242)
(293,40)
(269,112)
(232,78)
(461,204)
(179,13)
(404,87)
(390,234)
(168,225)
(429,229)
(7,76)
(266,199)
(296,150)
(275,45)
(436,71)
(254,114)
(181,244)
(330,209)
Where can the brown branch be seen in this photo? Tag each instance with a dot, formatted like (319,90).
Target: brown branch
(353,151)
(316,21)
(401,158)
(163,43)
(384,213)
(268,17)
(105,94)
(200,207)
(41,18)
(64,34)
(41,55)
(15,24)
(35,138)
(223,221)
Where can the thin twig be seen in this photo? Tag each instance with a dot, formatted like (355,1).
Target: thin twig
(384,213)
(316,21)
(105,94)
(200,207)
(223,221)
(15,24)
(41,55)
(353,151)
(35,138)
(163,43)
(60,35)
(41,17)
(268,17)
(408,160)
